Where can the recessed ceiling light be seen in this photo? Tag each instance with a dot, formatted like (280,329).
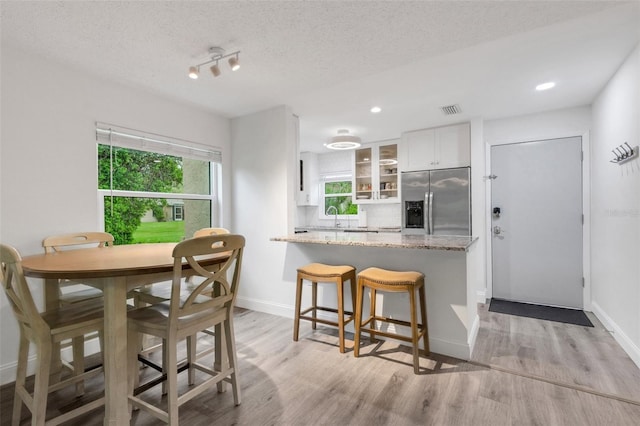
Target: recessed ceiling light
(376,109)
(545,86)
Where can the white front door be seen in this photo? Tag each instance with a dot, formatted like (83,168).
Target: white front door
(537,234)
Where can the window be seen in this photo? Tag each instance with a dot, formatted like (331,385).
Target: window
(155,189)
(178,213)
(337,193)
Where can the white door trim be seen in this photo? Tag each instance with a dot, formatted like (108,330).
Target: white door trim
(586,203)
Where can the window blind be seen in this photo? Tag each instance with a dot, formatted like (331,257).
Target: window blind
(108,134)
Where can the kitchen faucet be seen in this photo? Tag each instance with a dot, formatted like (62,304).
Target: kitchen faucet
(335,215)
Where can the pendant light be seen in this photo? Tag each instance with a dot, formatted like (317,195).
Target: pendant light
(343,140)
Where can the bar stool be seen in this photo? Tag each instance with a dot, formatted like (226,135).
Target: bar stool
(318,272)
(393,281)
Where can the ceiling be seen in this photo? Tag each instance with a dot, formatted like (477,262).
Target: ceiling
(332,61)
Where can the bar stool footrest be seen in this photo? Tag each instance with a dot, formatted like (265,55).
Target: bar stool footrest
(322,308)
(324,321)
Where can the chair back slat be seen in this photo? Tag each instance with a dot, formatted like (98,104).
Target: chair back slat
(56,243)
(204,232)
(196,251)
(17,290)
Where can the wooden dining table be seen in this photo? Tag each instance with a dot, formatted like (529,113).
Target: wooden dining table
(115,270)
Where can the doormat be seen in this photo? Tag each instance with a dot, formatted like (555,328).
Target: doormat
(549,313)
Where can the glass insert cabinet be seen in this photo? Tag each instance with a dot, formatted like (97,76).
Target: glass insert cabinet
(376,173)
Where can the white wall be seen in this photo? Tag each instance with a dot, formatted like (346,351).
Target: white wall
(263,205)
(48,169)
(615,209)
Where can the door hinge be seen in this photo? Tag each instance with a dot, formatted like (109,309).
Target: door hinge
(582,282)
(581,155)
(583,219)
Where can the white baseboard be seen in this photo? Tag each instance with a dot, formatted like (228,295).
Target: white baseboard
(481,296)
(8,371)
(623,340)
(279,309)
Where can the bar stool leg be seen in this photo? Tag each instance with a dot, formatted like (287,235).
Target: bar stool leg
(423,313)
(314,303)
(414,331)
(372,311)
(358,322)
(296,320)
(352,282)
(340,291)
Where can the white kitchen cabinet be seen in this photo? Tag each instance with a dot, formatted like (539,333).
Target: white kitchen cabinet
(375,173)
(307,194)
(437,148)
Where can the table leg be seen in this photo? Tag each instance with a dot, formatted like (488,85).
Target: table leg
(52,301)
(116,410)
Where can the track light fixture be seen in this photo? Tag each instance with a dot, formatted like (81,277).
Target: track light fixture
(216,54)
(234,64)
(215,70)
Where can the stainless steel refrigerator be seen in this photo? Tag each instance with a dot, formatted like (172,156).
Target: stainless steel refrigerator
(437,202)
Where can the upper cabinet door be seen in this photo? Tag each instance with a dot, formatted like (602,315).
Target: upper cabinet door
(375,177)
(453,147)
(437,148)
(417,150)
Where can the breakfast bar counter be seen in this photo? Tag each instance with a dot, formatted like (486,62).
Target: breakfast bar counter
(382,240)
(450,265)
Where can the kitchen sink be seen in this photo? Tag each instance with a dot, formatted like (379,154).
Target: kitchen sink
(358,230)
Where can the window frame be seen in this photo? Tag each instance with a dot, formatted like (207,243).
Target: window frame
(142,141)
(322,196)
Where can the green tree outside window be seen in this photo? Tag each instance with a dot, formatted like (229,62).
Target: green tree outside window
(343,203)
(135,170)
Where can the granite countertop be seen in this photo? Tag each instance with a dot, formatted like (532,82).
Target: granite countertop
(384,240)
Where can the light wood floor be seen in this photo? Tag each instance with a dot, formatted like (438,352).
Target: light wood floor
(523,372)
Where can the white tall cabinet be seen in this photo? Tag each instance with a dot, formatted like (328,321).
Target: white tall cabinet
(436,148)
(375,177)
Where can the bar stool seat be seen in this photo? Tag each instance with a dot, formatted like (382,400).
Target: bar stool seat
(318,272)
(393,281)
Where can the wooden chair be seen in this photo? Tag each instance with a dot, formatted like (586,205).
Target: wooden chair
(393,281)
(44,330)
(161,292)
(57,243)
(181,318)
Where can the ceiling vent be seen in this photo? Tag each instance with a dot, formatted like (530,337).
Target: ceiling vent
(451,109)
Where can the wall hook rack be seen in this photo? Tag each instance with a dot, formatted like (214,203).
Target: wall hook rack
(624,153)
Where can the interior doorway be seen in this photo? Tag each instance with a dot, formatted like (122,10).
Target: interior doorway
(536,207)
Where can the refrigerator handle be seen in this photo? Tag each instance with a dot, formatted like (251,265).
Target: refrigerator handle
(426,212)
(430,213)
